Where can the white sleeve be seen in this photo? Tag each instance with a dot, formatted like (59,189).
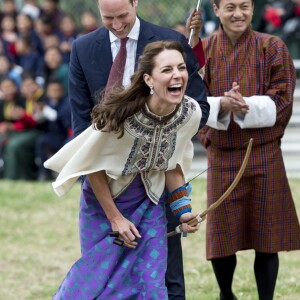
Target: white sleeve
(216,119)
(50,113)
(262,113)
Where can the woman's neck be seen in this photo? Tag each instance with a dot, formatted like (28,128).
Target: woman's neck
(160,110)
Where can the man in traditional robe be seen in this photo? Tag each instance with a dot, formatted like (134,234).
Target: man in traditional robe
(250,80)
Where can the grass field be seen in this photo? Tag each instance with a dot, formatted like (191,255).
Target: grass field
(39,243)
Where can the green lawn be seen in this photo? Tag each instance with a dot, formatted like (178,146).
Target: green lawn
(39,243)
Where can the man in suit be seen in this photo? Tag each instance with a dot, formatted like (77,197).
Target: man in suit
(91,60)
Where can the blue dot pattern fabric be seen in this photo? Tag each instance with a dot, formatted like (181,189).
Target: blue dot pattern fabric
(109,272)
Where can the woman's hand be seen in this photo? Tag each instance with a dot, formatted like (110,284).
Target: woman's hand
(127,231)
(184,218)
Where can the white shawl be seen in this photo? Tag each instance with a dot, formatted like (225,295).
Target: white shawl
(149,147)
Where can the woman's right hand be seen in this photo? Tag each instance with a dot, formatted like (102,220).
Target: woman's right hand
(185,227)
(127,231)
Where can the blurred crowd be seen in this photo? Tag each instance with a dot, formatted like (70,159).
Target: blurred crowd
(35,46)
(35,118)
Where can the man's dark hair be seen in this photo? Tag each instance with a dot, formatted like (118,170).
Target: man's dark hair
(217,2)
(54,80)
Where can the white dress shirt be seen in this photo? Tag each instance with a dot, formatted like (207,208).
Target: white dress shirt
(131,46)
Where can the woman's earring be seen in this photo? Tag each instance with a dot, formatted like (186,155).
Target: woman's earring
(151,90)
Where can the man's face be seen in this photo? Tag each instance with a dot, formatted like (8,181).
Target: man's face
(118,16)
(235,16)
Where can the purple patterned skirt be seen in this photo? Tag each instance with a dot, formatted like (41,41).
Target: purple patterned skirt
(108,272)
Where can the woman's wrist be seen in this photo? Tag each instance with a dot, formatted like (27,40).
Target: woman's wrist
(179,201)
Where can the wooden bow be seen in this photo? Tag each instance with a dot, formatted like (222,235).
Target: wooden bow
(202,216)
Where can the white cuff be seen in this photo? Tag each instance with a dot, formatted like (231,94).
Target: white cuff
(262,113)
(216,119)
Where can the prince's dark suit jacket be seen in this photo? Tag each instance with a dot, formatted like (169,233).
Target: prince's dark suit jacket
(91,60)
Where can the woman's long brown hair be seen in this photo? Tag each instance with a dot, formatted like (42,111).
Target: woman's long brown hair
(110,115)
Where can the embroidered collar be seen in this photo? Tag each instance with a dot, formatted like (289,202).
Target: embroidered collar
(160,119)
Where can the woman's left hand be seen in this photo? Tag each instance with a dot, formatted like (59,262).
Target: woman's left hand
(184,218)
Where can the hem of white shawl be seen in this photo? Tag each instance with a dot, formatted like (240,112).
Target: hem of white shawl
(64,185)
(124,187)
(155,199)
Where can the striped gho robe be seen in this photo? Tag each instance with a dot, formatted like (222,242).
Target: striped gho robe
(260,213)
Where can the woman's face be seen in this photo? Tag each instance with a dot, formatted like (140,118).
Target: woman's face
(169,79)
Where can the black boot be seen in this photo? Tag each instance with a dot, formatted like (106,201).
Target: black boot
(222,297)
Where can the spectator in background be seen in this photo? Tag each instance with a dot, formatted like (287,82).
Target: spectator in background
(56,114)
(55,68)
(31,8)
(18,133)
(9,99)
(89,22)
(33,93)
(258,22)
(291,31)
(45,28)
(68,33)
(8,35)
(51,9)
(7,69)
(210,21)
(8,8)
(275,15)
(8,29)
(180,27)
(29,59)
(25,27)
(51,41)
